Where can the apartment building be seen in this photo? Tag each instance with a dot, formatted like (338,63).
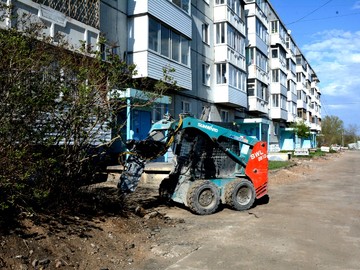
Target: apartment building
(235,56)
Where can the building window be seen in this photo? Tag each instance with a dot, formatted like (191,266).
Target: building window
(175,47)
(274,26)
(275,75)
(185,107)
(274,53)
(183,4)
(158,112)
(235,40)
(237,78)
(299,77)
(262,91)
(261,61)
(221,73)
(250,56)
(224,115)
(205,33)
(165,41)
(251,87)
(154,35)
(276,100)
(184,51)
(168,43)
(220,33)
(261,30)
(206,74)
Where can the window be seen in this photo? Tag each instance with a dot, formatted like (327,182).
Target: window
(183,4)
(175,47)
(154,35)
(221,73)
(185,107)
(275,75)
(291,66)
(261,30)
(283,78)
(158,112)
(262,4)
(235,40)
(184,51)
(206,74)
(274,26)
(237,78)
(261,61)
(224,115)
(274,53)
(262,91)
(107,50)
(165,41)
(220,33)
(219,2)
(168,43)
(251,87)
(276,100)
(250,56)
(205,33)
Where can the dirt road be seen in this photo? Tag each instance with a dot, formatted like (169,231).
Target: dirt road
(310,223)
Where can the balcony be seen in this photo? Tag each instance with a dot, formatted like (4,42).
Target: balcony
(291,96)
(256,72)
(302,105)
(223,53)
(76,21)
(276,38)
(86,12)
(278,113)
(231,96)
(150,64)
(223,13)
(165,11)
(258,105)
(291,117)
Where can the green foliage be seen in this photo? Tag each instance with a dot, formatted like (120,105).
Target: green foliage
(276,164)
(301,129)
(332,128)
(54,106)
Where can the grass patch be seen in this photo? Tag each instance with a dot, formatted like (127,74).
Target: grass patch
(276,164)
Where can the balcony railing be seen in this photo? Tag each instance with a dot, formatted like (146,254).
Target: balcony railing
(85,11)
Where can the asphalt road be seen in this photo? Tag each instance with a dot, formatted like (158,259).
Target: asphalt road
(309,224)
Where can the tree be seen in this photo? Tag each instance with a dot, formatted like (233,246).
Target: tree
(301,129)
(332,128)
(350,134)
(54,110)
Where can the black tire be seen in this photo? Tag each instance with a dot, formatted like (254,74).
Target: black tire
(203,197)
(240,194)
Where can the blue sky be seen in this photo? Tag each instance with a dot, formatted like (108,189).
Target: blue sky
(328,34)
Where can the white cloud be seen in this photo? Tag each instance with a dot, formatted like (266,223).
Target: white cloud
(335,57)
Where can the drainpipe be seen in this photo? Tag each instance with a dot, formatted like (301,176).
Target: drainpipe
(128,119)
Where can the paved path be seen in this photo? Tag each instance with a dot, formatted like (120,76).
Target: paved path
(309,224)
